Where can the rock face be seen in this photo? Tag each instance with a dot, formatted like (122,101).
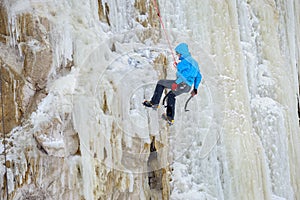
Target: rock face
(26,60)
(24,71)
(73,76)
(12,84)
(4,24)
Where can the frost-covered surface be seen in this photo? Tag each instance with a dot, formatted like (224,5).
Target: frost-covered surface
(240,139)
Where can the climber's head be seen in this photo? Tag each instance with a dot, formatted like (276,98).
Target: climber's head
(183,50)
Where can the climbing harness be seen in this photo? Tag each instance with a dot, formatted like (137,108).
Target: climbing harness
(163,27)
(4,134)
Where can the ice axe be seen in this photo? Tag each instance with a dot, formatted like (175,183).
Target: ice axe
(186,103)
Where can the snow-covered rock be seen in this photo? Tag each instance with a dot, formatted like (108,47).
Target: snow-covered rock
(74,74)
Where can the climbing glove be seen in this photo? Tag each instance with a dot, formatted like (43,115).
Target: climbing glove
(194,92)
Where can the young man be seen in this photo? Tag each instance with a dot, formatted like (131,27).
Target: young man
(188,74)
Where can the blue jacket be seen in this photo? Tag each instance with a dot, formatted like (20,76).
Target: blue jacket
(188,69)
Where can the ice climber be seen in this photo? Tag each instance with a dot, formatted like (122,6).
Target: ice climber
(188,74)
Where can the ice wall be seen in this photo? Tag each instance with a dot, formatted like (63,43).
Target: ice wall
(254,46)
(80,70)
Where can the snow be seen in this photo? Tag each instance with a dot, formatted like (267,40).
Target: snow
(232,144)
(60,97)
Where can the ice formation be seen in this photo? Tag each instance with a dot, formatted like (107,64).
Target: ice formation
(74,75)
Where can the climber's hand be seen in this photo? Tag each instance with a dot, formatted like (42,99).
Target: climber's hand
(194,92)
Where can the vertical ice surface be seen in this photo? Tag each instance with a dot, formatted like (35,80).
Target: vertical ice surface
(240,139)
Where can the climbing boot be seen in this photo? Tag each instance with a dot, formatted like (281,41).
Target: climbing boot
(150,105)
(168,119)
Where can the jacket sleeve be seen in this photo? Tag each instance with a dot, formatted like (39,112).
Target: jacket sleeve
(197,80)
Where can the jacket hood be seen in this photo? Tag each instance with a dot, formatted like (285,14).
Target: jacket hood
(183,49)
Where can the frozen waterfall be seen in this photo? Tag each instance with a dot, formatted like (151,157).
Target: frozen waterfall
(74,74)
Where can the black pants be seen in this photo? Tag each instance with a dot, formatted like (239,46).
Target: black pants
(160,86)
